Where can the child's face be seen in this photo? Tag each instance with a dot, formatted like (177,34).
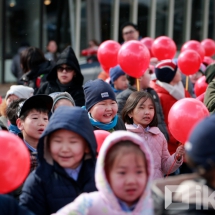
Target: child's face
(11,98)
(145,80)
(67,148)
(143,113)
(121,83)
(63,102)
(104,111)
(33,125)
(195,77)
(128,178)
(65,74)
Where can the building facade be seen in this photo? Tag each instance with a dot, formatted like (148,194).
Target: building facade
(76,22)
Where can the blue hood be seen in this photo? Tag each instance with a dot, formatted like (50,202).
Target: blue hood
(70,118)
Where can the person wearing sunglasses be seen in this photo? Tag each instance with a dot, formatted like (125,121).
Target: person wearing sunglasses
(66,76)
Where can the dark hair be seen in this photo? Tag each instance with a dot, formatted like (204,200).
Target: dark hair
(131,80)
(11,111)
(119,150)
(38,108)
(31,58)
(128,24)
(132,102)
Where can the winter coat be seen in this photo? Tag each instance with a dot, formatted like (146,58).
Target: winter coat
(209,99)
(123,96)
(49,187)
(104,201)
(9,206)
(187,186)
(119,126)
(167,101)
(37,76)
(75,88)
(157,143)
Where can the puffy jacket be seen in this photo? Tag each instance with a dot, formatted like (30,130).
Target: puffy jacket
(123,96)
(209,99)
(49,187)
(157,143)
(75,88)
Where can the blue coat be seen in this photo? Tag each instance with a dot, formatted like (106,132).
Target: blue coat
(49,187)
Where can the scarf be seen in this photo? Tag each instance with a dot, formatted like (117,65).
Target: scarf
(177,91)
(103,126)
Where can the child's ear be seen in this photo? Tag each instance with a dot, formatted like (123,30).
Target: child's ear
(19,124)
(130,114)
(87,150)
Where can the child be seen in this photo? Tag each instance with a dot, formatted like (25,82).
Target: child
(169,89)
(198,186)
(118,79)
(144,81)
(66,76)
(123,175)
(102,106)
(67,154)
(11,114)
(61,99)
(15,92)
(140,117)
(32,120)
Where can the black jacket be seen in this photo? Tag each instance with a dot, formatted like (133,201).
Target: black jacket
(123,96)
(41,71)
(75,89)
(49,187)
(9,206)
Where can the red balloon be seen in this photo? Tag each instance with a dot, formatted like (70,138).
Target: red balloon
(209,46)
(163,48)
(100,137)
(134,58)
(189,62)
(148,41)
(14,162)
(107,54)
(207,60)
(200,86)
(196,46)
(184,115)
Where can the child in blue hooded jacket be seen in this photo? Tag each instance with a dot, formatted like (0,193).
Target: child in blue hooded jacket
(66,154)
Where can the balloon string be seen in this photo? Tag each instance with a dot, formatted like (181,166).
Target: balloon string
(138,85)
(187,79)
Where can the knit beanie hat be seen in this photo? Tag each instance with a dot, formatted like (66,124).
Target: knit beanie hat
(115,73)
(23,92)
(165,71)
(60,95)
(96,91)
(210,73)
(200,146)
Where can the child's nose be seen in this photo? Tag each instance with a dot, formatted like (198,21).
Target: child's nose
(131,179)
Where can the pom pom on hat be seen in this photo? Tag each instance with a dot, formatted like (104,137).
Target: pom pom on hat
(23,92)
(115,73)
(96,91)
(165,71)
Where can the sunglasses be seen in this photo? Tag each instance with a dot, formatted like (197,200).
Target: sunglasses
(129,32)
(67,69)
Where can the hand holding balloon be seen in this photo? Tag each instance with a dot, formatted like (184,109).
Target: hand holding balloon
(180,151)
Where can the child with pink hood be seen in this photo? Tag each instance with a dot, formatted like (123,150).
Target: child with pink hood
(123,178)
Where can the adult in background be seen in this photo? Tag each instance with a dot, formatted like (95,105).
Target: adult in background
(52,54)
(130,31)
(35,67)
(66,76)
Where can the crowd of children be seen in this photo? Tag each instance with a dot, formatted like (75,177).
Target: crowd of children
(57,125)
